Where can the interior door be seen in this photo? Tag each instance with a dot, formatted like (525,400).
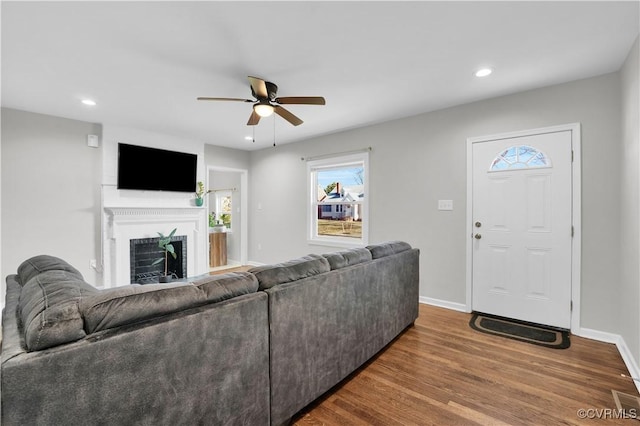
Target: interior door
(521,204)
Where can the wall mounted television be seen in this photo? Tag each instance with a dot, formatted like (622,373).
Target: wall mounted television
(154,169)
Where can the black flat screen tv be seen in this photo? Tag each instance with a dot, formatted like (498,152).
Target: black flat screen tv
(153,169)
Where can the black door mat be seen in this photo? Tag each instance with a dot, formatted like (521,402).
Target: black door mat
(521,330)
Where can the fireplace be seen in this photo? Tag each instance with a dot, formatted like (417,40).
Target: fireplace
(123,224)
(144,251)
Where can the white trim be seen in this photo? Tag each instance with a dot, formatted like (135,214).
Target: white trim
(244,210)
(576,249)
(126,223)
(252,263)
(621,345)
(336,242)
(331,162)
(454,306)
(576,182)
(600,336)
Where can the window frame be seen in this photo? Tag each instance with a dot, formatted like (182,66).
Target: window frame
(328,163)
(527,165)
(219,195)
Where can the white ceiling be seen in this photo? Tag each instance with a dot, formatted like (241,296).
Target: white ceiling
(144,63)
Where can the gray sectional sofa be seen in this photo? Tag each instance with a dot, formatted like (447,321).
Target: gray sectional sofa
(246,348)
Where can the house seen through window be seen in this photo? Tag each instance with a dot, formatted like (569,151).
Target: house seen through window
(338,213)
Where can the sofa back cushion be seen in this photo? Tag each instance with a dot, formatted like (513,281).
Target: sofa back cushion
(217,288)
(293,270)
(57,306)
(42,263)
(341,259)
(133,303)
(387,249)
(48,308)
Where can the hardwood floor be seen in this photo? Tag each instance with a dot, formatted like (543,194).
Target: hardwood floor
(441,372)
(219,270)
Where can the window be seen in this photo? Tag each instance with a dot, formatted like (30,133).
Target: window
(519,157)
(224,208)
(338,213)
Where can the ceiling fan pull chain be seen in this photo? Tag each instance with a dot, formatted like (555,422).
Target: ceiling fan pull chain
(274,130)
(254,133)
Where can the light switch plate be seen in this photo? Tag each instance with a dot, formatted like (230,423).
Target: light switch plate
(93,141)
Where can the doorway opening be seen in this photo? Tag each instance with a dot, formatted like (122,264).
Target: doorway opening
(227,212)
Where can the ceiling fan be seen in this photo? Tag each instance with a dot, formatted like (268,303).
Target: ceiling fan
(266,102)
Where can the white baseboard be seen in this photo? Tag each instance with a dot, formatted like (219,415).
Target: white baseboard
(629,361)
(600,336)
(460,307)
(252,263)
(621,345)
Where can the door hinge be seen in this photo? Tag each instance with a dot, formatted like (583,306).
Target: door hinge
(572,231)
(571,306)
(572,156)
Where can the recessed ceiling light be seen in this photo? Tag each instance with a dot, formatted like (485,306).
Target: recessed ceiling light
(483,72)
(89,102)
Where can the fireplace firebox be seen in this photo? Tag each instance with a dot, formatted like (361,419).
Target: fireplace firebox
(144,251)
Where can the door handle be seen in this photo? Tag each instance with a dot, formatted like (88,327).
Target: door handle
(477,236)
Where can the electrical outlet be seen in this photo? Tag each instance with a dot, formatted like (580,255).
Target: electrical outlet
(93,264)
(445,204)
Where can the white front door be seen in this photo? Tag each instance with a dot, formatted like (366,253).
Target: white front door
(522,230)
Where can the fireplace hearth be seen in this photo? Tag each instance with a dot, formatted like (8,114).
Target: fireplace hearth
(144,251)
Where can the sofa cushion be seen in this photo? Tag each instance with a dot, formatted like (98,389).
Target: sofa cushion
(280,273)
(226,286)
(133,303)
(387,249)
(345,258)
(42,263)
(48,308)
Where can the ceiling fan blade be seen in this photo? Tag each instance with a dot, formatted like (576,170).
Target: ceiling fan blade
(301,100)
(253,119)
(287,115)
(259,87)
(202,98)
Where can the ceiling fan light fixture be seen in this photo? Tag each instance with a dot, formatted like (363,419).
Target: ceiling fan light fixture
(263,109)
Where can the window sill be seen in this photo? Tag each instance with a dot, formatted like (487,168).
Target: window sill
(336,243)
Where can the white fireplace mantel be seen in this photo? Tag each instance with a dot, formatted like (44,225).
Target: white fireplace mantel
(122,224)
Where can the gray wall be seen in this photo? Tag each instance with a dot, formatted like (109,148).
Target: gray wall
(226,157)
(50,191)
(416,161)
(629,157)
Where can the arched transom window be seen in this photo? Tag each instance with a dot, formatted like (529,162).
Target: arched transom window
(519,157)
